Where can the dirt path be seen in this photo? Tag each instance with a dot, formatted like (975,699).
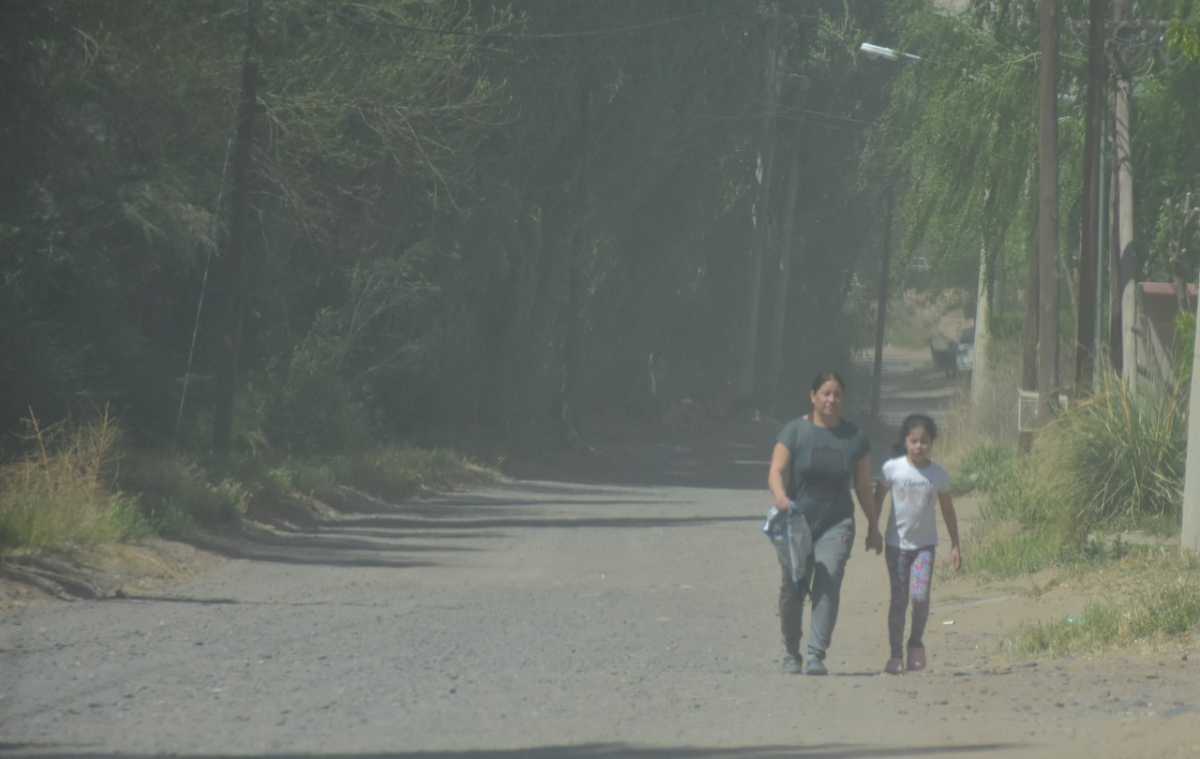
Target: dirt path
(558,619)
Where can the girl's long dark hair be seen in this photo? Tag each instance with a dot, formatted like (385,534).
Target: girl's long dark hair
(910,423)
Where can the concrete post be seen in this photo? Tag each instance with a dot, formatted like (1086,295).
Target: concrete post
(1190,537)
(1130,316)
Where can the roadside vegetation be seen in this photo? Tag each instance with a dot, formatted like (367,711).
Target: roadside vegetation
(1146,599)
(81,486)
(1110,464)
(1098,500)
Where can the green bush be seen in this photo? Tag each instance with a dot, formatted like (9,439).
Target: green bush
(175,493)
(307,406)
(400,472)
(986,469)
(1184,347)
(1109,463)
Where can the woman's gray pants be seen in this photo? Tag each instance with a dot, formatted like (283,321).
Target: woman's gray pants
(831,549)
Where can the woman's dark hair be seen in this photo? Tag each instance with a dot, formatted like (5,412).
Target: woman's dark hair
(823,377)
(910,423)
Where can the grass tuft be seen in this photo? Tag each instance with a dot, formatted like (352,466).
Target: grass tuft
(176,494)
(1163,605)
(61,495)
(400,472)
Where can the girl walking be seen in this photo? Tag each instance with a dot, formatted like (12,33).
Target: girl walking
(916,484)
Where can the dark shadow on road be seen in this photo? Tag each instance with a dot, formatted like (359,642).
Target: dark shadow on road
(595,751)
(561,522)
(146,598)
(244,548)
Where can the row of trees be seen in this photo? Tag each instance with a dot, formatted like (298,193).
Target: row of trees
(487,218)
(460,218)
(961,129)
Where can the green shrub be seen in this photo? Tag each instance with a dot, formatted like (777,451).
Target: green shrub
(1109,462)
(62,495)
(986,469)
(307,406)
(400,472)
(1125,455)
(176,493)
(1184,347)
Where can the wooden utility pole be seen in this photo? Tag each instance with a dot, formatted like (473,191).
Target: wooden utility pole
(1047,207)
(1089,248)
(881,316)
(1124,265)
(229,290)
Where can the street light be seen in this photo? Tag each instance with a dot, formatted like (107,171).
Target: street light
(885,53)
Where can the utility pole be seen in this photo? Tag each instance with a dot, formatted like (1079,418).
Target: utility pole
(881,316)
(1047,207)
(1123,268)
(1089,248)
(229,292)
(1029,325)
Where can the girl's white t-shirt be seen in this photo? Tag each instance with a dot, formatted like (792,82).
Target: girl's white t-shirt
(913,522)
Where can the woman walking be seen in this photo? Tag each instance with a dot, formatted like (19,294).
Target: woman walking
(816,460)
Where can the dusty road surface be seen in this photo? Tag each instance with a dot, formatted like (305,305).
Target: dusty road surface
(557,619)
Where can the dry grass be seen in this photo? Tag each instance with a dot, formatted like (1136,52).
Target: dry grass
(1146,600)
(62,495)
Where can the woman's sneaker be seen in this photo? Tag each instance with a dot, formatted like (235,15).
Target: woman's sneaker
(893,666)
(916,658)
(793,665)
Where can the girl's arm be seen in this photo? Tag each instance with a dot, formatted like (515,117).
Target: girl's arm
(951,517)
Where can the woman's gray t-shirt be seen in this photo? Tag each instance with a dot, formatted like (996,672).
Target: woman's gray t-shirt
(822,468)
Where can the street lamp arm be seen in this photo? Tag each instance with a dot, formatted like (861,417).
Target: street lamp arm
(886,53)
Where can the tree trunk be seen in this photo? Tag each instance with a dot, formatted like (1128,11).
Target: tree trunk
(783,281)
(568,428)
(982,389)
(230,280)
(1089,249)
(748,382)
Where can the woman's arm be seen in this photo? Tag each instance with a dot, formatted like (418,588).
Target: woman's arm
(781,459)
(866,500)
(951,517)
(882,487)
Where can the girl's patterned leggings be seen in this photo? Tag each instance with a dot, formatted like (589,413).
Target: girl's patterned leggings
(911,573)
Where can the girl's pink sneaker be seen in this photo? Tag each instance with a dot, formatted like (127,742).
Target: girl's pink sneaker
(916,659)
(893,666)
